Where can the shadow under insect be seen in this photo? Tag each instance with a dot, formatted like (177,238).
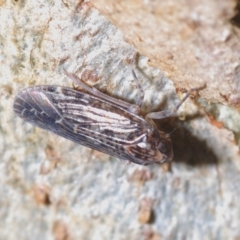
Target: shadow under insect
(187,147)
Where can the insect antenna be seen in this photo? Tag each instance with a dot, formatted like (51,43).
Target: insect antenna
(173,131)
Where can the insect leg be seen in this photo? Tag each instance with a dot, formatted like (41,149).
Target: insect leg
(131,107)
(169,113)
(141,97)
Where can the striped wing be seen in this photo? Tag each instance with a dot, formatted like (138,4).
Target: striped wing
(82,118)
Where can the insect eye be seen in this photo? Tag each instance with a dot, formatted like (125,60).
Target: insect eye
(163,147)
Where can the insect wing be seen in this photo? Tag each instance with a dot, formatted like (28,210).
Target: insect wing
(83,118)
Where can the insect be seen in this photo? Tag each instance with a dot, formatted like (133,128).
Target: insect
(97,121)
